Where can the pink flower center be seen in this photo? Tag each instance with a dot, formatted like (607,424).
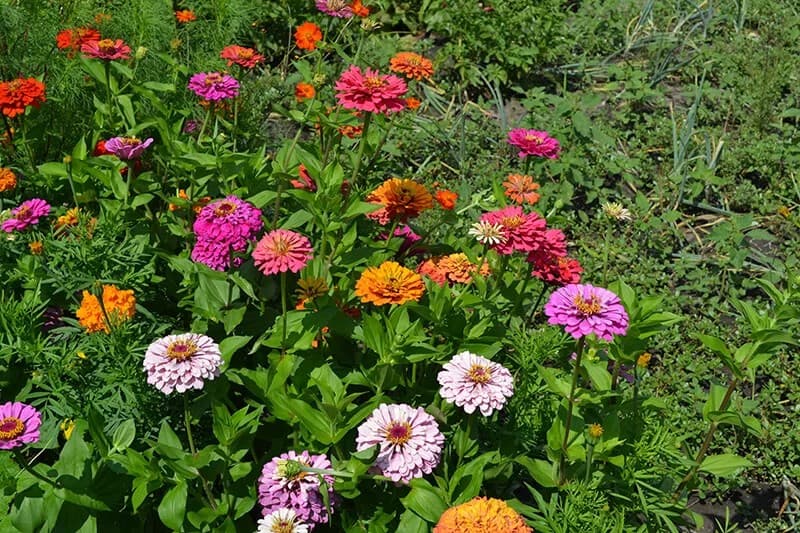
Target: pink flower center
(512,221)
(224,209)
(530,137)
(106,46)
(398,433)
(212,79)
(479,374)
(592,307)
(11,427)
(181,350)
(373,82)
(23,212)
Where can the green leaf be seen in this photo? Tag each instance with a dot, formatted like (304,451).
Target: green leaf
(556,385)
(724,464)
(229,346)
(542,471)
(172,508)
(598,374)
(411,523)
(123,436)
(425,500)
(167,436)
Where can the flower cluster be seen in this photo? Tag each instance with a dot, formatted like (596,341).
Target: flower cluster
(224,228)
(118,306)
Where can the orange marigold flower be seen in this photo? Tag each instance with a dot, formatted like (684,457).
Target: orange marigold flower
(241,55)
(389,283)
(185,15)
(481,515)
(304,91)
(119,306)
(459,269)
(446,198)
(70,218)
(307,36)
(412,103)
(36,247)
(411,65)
(401,199)
(18,94)
(8,180)
(359,9)
(73,39)
(521,189)
(350,132)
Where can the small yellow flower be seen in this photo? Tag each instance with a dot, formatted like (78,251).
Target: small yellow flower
(36,247)
(82,355)
(644,359)
(67,426)
(595,431)
(784,211)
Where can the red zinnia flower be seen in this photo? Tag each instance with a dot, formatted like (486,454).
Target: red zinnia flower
(74,39)
(304,91)
(241,55)
(18,94)
(307,36)
(359,9)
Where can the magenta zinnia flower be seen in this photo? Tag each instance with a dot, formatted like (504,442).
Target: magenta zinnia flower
(584,309)
(19,424)
(127,147)
(370,91)
(284,484)
(215,254)
(409,441)
(214,86)
(107,49)
(26,214)
(281,250)
(182,362)
(231,221)
(533,142)
(523,232)
(335,8)
(474,382)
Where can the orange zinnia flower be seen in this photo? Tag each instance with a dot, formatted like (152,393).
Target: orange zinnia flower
(304,91)
(8,180)
(185,15)
(401,199)
(241,55)
(74,39)
(17,95)
(119,306)
(411,65)
(412,103)
(459,269)
(446,198)
(350,132)
(359,9)
(521,189)
(389,283)
(430,268)
(307,36)
(481,515)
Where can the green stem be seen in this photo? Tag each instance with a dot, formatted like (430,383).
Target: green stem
(71,183)
(285,315)
(25,466)
(589,453)
(538,301)
(606,249)
(187,422)
(570,405)
(361,148)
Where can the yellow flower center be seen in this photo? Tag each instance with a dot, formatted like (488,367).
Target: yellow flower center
(213,78)
(11,427)
(479,374)
(23,212)
(592,307)
(336,5)
(244,53)
(398,432)
(106,45)
(181,350)
(280,246)
(131,141)
(224,209)
(512,222)
(373,82)
(533,138)
(283,526)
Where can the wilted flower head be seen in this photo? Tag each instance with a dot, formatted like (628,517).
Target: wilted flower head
(241,55)
(26,214)
(335,8)
(616,211)
(306,182)
(127,148)
(533,142)
(370,91)
(282,250)
(390,283)
(106,49)
(282,521)
(409,441)
(481,515)
(16,95)
(585,309)
(213,86)
(182,362)
(474,382)
(411,65)
(19,424)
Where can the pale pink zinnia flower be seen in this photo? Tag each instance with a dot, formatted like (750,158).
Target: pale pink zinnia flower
(26,214)
(107,49)
(474,382)
(19,424)
(213,86)
(523,232)
(370,91)
(585,309)
(281,250)
(285,484)
(335,8)
(182,362)
(409,441)
(282,521)
(533,142)
(127,147)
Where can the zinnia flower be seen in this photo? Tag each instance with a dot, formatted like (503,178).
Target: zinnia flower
(474,382)
(370,91)
(407,234)
(481,515)
(213,86)
(521,189)
(19,424)
(308,289)
(118,306)
(304,91)
(430,268)
(459,269)
(26,214)
(401,199)
(335,8)
(182,362)
(389,283)
(306,182)
(616,211)
(185,15)
(231,221)
(412,66)
(533,142)
(217,255)
(359,9)
(486,232)
(584,309)
(18,94)
(409,441)
(284,484)
(523,231)
(412,103)
(282,521)
(74,39)
(107,49)
(556,270)
(127,148)
(241,55)
(8,180)
(307,35)
(447,199)
(281,250)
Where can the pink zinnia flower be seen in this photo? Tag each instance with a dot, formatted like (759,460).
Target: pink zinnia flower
(182,362)
(107,49)
(216,255)
(409,441)
(306,182)
(127,147)
(556,270)
(335,8)
(281,250)
(474,382)
(584,309)
(26,214)
(213,86)
(370,91)
(19,424)
(533,142)
(284,484)
(232,221)
(523,232)
(241,55)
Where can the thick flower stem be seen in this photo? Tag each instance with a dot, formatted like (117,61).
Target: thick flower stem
(285,316)
(362,145)
(568,423)
(536,305)
(25,466)
(606,249)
